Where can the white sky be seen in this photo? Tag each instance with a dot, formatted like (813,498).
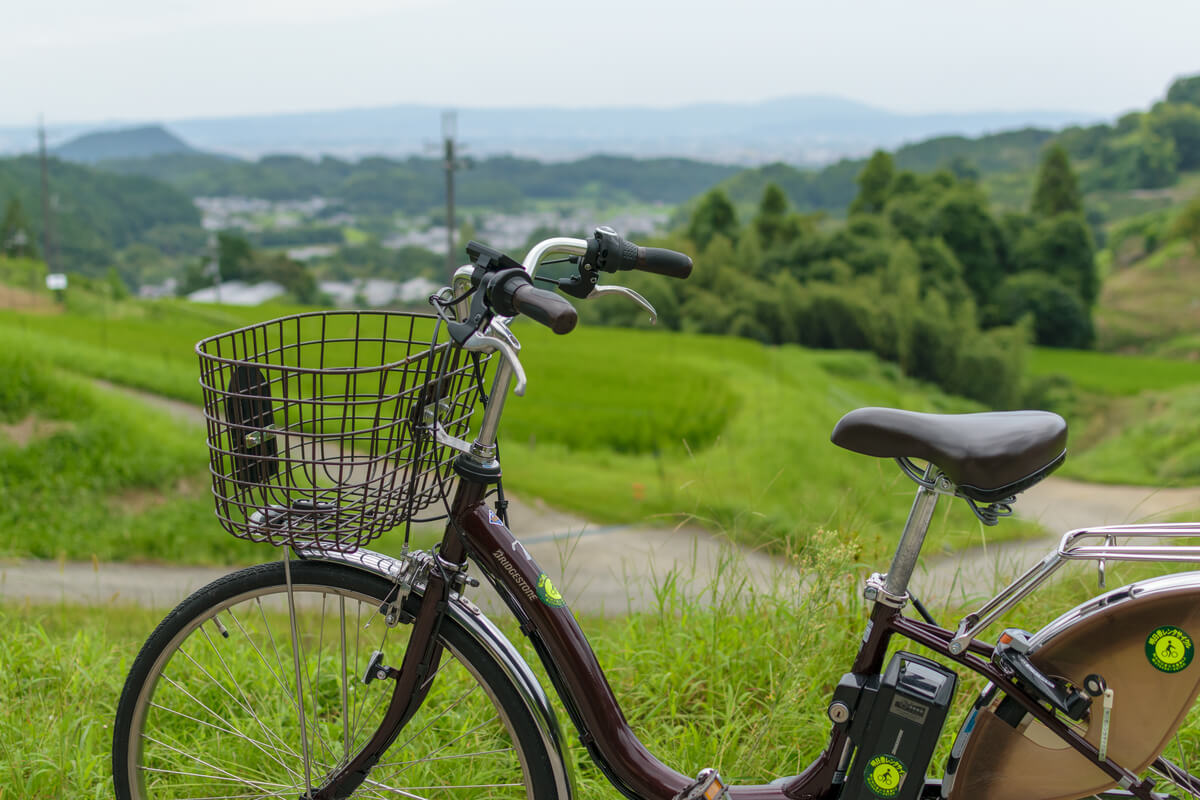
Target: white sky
(83,60)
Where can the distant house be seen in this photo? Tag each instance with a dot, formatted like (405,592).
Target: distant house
(238,293)
(376,292)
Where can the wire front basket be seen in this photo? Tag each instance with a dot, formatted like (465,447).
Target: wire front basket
(320,424)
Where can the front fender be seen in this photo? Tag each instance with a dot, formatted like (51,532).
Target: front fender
(489,637)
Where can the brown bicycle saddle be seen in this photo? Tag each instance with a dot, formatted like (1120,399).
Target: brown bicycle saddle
(990,456)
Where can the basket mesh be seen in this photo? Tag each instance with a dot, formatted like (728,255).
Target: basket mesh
(316,424)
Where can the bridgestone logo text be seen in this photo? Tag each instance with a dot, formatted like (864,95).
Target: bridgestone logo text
(516,576)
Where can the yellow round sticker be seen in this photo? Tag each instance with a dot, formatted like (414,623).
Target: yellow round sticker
(884,775)
(1169,649)
(548,594)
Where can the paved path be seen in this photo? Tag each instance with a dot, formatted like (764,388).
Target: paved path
(1059,505)
(614,569)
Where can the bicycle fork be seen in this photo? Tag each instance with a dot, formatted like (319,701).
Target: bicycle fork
(413,681)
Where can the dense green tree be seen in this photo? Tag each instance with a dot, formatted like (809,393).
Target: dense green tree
(1139,160)
(235,256)
(714,216)
(771,217)
(1084,142)
(1181,124)
(964,223)
(16,236)
(1185,90)
(1187,223)
(873,184)
(773,224)
(1061,247)
(1060,317)
(963,168)
(1057,191)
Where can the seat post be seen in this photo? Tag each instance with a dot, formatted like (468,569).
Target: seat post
(905,560)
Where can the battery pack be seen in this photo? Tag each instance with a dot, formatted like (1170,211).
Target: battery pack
(895,728)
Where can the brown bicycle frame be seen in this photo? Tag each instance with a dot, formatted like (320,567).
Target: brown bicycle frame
(475,530)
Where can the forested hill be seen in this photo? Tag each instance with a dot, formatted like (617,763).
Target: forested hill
(417,185)
(1141,150)
(834,187)
(150,140)
(97,212)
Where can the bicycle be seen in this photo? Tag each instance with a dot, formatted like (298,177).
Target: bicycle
(325,429)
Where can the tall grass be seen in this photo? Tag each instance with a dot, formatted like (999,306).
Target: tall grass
(738,679)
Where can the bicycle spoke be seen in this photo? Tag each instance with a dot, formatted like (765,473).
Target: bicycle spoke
(215,715)
(261,746)
(221,717)
(246,707)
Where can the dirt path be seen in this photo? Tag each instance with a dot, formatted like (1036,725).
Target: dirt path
(614,569)
(599,569)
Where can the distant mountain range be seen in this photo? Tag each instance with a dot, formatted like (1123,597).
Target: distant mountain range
(801,130)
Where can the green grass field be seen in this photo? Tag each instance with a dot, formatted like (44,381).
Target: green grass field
(1112,373)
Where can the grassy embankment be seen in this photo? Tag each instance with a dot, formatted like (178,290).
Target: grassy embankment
(1135,418)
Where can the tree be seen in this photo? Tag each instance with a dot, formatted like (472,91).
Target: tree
(873,184)
(235,256)
(715,215)
(1139,160)
(1060,318)
(772,217)
(963,222)
(16,238)
(1181,124)
(1185,90)
(1061,247)
(1057,191)
(1187,224)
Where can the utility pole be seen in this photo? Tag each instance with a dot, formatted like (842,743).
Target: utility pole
(214,266)
(47,235)
(450,162)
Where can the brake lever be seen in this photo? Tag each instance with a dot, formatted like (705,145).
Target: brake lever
(625,291)
(499,338)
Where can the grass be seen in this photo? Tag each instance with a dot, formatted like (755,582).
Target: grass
(1152,301)
(1113,373)
(1154,440)
(739,681)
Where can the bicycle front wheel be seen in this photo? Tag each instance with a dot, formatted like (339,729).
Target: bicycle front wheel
(222,702)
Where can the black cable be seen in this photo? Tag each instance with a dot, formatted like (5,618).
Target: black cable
(920,607)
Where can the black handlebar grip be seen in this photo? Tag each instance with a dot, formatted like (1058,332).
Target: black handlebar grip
(661,261)
(545,307)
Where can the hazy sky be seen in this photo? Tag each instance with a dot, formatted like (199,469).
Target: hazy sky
(82,60)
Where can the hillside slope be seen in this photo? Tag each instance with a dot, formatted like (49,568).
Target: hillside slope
(1153,305)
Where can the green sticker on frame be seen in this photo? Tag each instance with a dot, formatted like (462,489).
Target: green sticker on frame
(885,775)
(1169,649)
(548,594)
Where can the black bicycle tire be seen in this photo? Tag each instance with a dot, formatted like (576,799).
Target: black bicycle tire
(536,761)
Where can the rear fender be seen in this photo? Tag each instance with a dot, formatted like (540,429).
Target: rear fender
(1113,636)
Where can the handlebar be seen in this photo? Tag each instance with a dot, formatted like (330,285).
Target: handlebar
(608,251)
(545,307)
(487,293)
